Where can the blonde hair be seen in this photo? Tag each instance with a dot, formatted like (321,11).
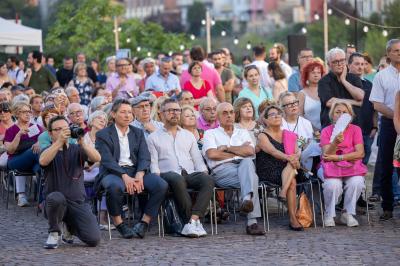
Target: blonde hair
(343,103)
(79,66)
(285,94)
(237,105)
(185,108)
(17,106)
(156,106)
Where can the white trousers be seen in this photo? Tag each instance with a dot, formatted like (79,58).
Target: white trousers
(20,183)
(333,189)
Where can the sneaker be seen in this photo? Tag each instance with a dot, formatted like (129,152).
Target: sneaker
(125,231)
(104,227)
(66,236)
(22,201)
(348,219)
(52,241)
(329,221)
(200,229)
(190,230)
(387,215)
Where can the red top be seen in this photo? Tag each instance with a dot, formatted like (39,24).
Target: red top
(197,93)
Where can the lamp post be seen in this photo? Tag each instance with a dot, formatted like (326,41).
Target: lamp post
(325,27)
(116,34)
(355,26)
(208,30)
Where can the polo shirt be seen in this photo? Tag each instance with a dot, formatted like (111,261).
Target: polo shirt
(42,80)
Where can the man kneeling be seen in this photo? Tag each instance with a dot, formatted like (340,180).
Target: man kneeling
(65,192)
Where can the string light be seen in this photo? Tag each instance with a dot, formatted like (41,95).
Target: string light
(212,22)
(182,47)
(149,54)
(304,30)
(236,41)
(203,22)
(347,21)
(128,40)
(365,29)
(192,37)
(248,46)
(385,33)
(316,16)
(119,28)
(330,11)
(170,53)
(223,33)
(138,48)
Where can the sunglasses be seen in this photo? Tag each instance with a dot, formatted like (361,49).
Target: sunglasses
(5,111)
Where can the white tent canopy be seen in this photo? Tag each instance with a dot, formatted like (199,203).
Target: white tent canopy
(12,34)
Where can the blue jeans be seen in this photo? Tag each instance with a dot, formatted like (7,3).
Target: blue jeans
(395,184)
(26,161)
(367,148)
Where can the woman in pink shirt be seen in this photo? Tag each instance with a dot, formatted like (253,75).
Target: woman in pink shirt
(342,165)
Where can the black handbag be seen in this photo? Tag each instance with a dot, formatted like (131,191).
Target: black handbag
(173,223)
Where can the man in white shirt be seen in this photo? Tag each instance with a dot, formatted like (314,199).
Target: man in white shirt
(175,156)
(16,74)
(275,54)
(383,94)
(259,61)
(228,151)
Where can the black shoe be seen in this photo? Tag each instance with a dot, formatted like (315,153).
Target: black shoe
(300,228)
(363,204)
(387,215)
(125,231)
(140,229)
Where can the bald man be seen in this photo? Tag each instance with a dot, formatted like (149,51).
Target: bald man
(228,152)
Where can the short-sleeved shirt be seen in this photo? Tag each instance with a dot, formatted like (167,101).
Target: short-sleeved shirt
(65,173)
(157,82)
(265,94)
(294,83)
(385,86)
(352,137)
(126,91)
(42,80)
(330,87)
(12,131)
(207,73)
(216,137)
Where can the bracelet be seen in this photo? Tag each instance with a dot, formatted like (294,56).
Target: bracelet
(340,157)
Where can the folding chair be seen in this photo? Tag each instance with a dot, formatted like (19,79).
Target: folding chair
(11,178)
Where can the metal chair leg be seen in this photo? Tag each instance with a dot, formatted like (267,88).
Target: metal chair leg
(263,204)
(366,199)
(211,219)
(313,203)
(109,225)
(215,212)
(321,203)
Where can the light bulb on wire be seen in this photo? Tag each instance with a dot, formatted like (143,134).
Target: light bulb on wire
(149,54)
(212,22)
(236,41)
(304,30)
(192,37)
(365,29)
(385,33)
(223,33)
(128,40)
(248,46)
(138,48)
(170,53)
(203,22)
(181,47)
(347,21)
(316,16)
(330,11)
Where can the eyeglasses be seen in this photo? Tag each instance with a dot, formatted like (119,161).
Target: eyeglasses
(76,113)
(292,104)
(4,111)
(123,65)
(350,45)
(57,129)
(142,107)
(339,61)
(25,112)
(170,111)
(210,109)
(274,115)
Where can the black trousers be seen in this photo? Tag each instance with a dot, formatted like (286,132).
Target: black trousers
(197,181)
(78,218)
(387,140)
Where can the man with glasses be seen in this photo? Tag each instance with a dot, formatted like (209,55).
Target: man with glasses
(175,156)
(76,116)
(304,57)
(141,107)
(208,114)
(122,85)
(163,80)
(229,154)
(338,84)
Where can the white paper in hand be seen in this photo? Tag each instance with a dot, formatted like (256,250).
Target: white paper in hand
(33,131)
(340,126)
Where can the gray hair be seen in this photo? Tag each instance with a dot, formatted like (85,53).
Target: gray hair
(285,94)
(96,114)
(69,90)
(146,61)
(332,52)
(110,58)
(20,98)
(205,101)
(390,43)
(78,66)
(96,102)
(74,105)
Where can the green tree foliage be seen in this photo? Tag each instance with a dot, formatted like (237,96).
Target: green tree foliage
(28,14)
(196,13)
(392,18)
(375,44)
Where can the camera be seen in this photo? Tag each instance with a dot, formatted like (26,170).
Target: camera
(76,132)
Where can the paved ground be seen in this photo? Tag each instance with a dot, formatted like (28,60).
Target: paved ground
(22,235)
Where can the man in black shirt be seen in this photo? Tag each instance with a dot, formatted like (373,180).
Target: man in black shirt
(66,73)
(338,84)
(64,190)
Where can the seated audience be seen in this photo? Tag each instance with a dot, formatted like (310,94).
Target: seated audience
(141,110)
(98,103)
(277,167)
(188,122)
(75,116)
(82,83)
(345,152)
(73,97)
(64,191)
(176,157)
(228,152)
(163,80)
(155,109)
(124,166)
(245,116)
(208,114)
(6,121)
(36,102)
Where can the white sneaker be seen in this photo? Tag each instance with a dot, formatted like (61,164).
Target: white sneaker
(22,201)
(200,229)
(67,237)
(190,230)
(348,219)
(52,241)
(329,221)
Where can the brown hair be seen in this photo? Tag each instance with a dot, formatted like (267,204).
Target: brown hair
(192,65)
(277,72)
(248,68)
(237,105)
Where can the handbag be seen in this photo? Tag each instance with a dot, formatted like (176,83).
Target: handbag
(173,223)
(344,169)
(304,214)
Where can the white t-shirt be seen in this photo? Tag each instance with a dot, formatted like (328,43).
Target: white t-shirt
(302,128)
(265,80)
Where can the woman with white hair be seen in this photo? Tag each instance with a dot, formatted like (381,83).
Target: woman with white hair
(98,103)
(149,67)
(83,83)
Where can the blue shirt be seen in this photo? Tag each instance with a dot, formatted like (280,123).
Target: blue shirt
(157,82)
(45,140)
(265,94)
(294,82)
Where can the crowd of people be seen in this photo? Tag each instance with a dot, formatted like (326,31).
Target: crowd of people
(198,121)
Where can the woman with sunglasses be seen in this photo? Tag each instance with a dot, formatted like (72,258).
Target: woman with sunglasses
(274,165)
(21,142)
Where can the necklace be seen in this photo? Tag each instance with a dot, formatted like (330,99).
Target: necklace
(295,127)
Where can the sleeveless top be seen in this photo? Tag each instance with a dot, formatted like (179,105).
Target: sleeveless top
(312,110)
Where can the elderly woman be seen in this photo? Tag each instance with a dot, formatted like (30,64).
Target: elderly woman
(245,116)
(83,83)
(310,104)
(6,121)
(199,87)
(274,165)
(302,127)
(98,103)
(342,166)
(76,116)
(254,91)
(280,80)
(188,121)
(21,143)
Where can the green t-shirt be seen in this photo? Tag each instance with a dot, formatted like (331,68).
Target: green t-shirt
(42,80)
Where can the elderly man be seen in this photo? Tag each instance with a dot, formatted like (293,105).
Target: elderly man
(175,156)
(384,89)
(122,85)
(338,84)
(229,152)
(73,97)
(304,57)
(208,114)
(163,80)
(76,116)
(141,107)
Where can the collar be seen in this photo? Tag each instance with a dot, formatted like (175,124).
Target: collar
(165,130)
(159,75)
(120,135)
(393,69)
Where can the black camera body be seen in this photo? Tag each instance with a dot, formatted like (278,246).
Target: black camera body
(76,132)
